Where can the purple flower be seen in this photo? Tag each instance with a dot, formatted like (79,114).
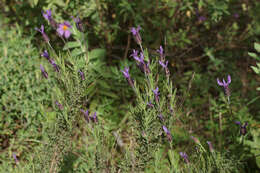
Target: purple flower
(86,115)
(15,158)
(156,94)
(44,73)
(55,66)
(94,118)
(59,105)
(243,129)
(202,18)
(168,133)
(41,30)
(136,57)
(136,34)
(48,17)
(63,29)
(184,156)
(161,117)
(225,85)
(150,105)
(163,65)
(46,55)
(160,51)
(79,24)
(195,139)
(81,75)
(127,76)
(211,149)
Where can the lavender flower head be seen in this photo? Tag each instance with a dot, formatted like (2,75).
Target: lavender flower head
(156,94)
(63,29)
(94,117)
(161,117)
(184,156)
(168,133)
(41,30)
(47,16)
(136,57)
(163,65)
(44,73)
(160,51)
(243,129)
(59,105)
(196,140)
(79,24)
(86,115)
(81,75)
(136,34)
(45,54)
(211,149)
(225,85)
(15,158)
(127,76)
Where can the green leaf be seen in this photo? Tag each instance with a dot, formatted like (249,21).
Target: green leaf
(76,52)
(71,44)
(97,53)
(253,55)
(257,47)
(256,70)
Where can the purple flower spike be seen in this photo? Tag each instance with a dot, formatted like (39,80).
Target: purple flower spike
(127,76)
(59,105)
(47,16)
(41,30)
(184,156)
(243,129)
(81,75)
(15,158)
(163,65)
(161,117)
(63,29)
(196,140)
(156,94)
(86,115)
(94,118)
(45,54)
(79,24)
(44,73)
(160,51)
(168,133)
(225,85)
(136,34)
(55,66)
(211,149)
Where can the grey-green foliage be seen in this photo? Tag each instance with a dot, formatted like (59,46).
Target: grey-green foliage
(23,95)
(255,56)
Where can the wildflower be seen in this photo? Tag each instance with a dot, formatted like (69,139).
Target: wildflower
(15,158)
(211,149)
(44,73)
(150,105)
(55,66)
(156,94)
(136,57)
(81,75)
(63,29)
(127,76)
(79,24)
(48,17)
(94,118)
(168,133)
(41,30)
(225,85)
(161,117)
(136,34)
(163,65)
(202,18)
(160,51)
(86,115)
(184,156)
(243,129)
(59,105)
(195,139)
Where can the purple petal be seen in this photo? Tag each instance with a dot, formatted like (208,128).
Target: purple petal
(219,83)
(229,79)
(67,34)
(60,31)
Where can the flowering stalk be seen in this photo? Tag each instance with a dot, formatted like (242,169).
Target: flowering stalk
(184,156)
(211,149)
(45,54)
(168,133)
(15,158)
(86,115)
(81,75)
(225,85)
(79,24)
(136,34)
(127,76)
(140,62)
(156,95)
(48,17)
(44,73)
(243,129)
(94,118)
(41,30)
(59,105)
